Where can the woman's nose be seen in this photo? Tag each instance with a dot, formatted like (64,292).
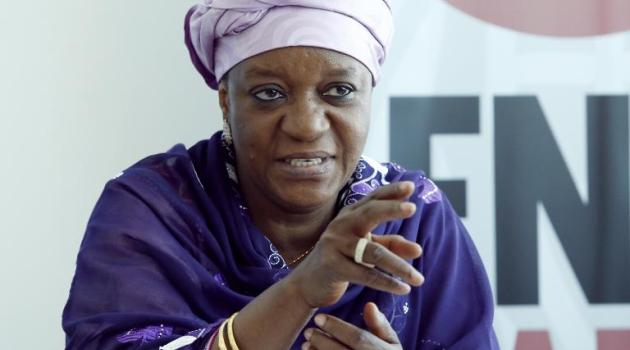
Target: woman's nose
(306,119)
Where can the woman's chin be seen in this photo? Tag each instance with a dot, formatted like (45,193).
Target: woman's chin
(304,189)
(307,198)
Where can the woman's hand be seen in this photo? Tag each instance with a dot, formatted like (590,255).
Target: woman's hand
(334,333)
(323,277)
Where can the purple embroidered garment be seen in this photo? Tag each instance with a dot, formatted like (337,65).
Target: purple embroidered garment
(169,252)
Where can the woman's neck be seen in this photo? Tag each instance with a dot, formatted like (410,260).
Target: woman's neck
(291,232)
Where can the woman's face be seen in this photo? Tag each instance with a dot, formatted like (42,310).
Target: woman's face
(299,118)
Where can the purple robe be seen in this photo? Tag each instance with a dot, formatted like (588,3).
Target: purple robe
(170,252)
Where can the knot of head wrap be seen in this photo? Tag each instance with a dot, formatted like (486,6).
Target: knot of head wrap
(222,33)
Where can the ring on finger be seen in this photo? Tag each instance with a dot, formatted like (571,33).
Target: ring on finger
(359,250)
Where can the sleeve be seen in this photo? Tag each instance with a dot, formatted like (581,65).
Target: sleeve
(457,305)
(134,282)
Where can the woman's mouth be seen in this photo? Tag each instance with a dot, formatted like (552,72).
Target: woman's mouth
(307,165)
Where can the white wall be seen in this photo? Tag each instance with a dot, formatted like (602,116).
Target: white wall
(87,88)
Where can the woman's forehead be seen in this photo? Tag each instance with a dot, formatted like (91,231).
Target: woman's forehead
(290,62)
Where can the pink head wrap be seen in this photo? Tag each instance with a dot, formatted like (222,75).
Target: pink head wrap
(222,33)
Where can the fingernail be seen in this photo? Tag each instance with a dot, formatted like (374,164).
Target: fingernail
(320,320)
(308,333)
(408,207)
(377,309)
(406,186)
(417,276)
(381,315)
(306,346)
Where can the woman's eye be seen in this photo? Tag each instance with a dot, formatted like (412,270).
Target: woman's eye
(268,95)
(339,91)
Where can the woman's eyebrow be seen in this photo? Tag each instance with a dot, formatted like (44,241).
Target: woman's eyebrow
(344,73)
(349,72)
(260,72)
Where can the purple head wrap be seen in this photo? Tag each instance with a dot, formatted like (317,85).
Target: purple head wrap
(222,33)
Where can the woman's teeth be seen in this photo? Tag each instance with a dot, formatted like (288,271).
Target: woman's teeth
(305,162)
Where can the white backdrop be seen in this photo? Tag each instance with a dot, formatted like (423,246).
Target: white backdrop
(88,88)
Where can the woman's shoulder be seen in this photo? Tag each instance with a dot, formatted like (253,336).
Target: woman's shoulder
(144,199)
(162,184)
(166,164)
(174,168)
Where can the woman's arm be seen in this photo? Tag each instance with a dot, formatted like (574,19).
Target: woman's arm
(274,318)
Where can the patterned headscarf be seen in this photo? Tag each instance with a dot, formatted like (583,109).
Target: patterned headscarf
(222,33)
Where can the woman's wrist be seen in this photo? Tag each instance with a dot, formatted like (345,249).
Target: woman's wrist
(292,288)
(283,303)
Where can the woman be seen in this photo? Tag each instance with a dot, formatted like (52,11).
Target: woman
(276,233)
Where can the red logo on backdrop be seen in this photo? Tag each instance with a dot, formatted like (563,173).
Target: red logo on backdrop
(552,17)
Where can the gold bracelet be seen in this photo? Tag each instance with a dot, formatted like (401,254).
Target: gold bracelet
(230,331)
(221,339)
